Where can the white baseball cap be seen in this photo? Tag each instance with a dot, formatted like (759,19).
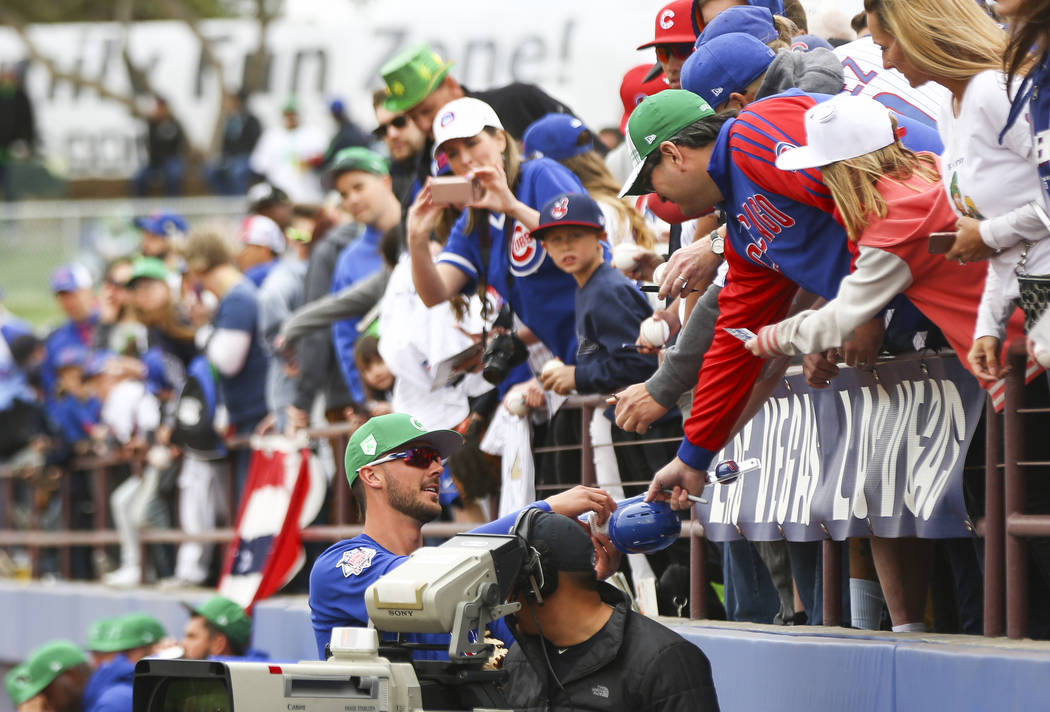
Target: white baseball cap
(261,230)
(841,127)
(463,118)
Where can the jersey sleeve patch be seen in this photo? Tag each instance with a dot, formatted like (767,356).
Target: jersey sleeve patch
(356,560)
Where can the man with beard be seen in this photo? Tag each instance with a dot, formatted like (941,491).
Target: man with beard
(394,466)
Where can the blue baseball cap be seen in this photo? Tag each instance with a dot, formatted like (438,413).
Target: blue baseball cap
(570,209)
(725,64)
(336,106)
(72,357)
(808,43)
(775,7)
(557,136)
(749,19)
(164,224)
(70,278)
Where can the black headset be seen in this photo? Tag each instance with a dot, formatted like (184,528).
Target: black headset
(536,579)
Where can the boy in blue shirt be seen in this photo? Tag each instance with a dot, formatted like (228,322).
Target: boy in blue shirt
(609,310)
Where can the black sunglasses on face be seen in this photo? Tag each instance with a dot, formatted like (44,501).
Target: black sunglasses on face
(398,122)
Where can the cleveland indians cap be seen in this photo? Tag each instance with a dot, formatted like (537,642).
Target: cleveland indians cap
(569,209)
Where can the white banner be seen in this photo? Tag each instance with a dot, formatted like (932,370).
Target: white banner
(576,51)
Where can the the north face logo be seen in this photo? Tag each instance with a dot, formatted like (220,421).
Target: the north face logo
(600,691)
(368,445)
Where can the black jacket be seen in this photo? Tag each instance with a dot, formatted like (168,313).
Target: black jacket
(635,664)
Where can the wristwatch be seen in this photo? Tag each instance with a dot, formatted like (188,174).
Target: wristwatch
(718,243)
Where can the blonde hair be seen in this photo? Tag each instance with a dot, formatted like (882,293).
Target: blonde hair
(786,32)
(945,39)
(599,182)
(206,249)
(853,182)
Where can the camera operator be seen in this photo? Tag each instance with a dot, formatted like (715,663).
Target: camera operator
(394,466)
(581,647)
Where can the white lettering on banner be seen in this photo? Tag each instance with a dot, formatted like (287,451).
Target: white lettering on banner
(314,59)
(852,456)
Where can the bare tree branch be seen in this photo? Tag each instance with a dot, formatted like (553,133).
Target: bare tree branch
(78,80)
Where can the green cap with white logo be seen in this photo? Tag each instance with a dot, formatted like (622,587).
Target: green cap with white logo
(46,663)
(656,119)
(358,158)
(386,433)
(227,616)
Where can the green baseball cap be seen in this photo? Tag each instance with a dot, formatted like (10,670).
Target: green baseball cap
(656,119)
(148,268)
(227,616)
(386,433)
(48,662)
(16,681)
(411,76)
(139,629)
(357,158)
(98,636)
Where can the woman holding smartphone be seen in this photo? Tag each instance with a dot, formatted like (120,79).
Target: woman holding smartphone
(490,245)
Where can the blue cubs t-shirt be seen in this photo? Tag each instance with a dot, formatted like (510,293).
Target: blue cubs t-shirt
(538,292)
(244,393)
(358,260)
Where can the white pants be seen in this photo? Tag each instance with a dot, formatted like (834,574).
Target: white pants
(128,504)
(201,498)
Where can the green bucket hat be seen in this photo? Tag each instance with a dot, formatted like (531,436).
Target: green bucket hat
(148,268)
(411,76)
(227,616)
(656,119)
(386,433)
(16,682)
(357,158)
(48,662)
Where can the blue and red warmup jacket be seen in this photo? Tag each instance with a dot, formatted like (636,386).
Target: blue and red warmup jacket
(781,235)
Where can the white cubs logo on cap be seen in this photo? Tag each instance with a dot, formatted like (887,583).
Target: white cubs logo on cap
(447,118)
(667,19)
(416,424)
(368,445)
(560,208)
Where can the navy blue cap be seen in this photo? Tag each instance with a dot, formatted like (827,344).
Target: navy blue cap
(808,43)
(70,278)
(725,64)
(570,209)
(749,19)
(164,224)
(72,356)
(557,136)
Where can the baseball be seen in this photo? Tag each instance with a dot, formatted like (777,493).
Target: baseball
(658,273)
(515,404)
(1041,354)
(551,365)
(625,256)
(655,332)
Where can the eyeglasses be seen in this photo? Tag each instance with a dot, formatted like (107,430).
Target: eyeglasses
(398,122)
(681,50)
(420,457)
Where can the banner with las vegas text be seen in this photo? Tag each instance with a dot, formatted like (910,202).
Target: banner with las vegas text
(874,453)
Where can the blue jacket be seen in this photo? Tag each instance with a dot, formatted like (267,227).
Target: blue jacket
(359,259)
(69,334)
(109,688)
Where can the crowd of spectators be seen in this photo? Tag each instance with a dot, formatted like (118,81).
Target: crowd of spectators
(356,286)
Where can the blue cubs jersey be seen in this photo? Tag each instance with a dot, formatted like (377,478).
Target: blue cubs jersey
(358,260)
(346,569)
(539,293)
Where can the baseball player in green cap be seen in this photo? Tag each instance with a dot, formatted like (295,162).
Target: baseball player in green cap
(58,671)
(218,626)
(394,464)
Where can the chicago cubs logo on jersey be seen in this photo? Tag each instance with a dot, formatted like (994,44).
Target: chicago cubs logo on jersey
(783,146)
(560,208)
(526,255)
(356,560)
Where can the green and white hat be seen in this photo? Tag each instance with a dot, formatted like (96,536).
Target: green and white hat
(386,433)
(46,663)
(227,616)
(656,119)
(17,683)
